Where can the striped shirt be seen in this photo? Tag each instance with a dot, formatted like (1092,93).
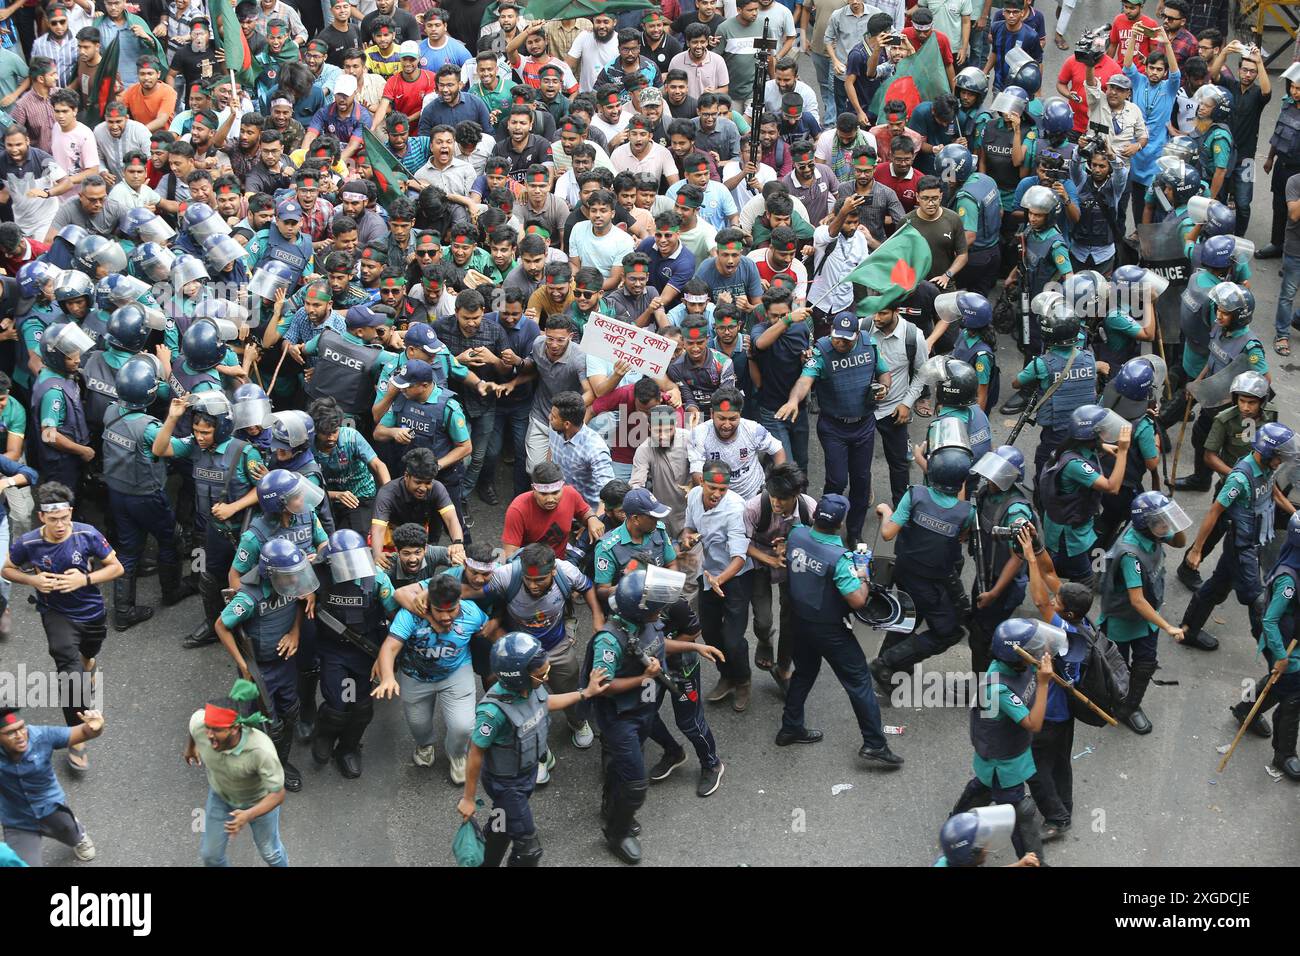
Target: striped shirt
(585,461)
(63,54)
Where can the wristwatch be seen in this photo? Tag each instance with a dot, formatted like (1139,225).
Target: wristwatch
(458,541)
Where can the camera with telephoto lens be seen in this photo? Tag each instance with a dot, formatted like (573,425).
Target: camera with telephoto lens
(1052,165)
(1091,46)
(1002,532)
(1093,142)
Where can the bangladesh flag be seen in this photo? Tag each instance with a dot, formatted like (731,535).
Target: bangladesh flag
(102,85)
(232,42)
(896,266)
(390,174)
(917,78)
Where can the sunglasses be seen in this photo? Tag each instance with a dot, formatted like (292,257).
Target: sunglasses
(585,293)
(55,23)
(426,252)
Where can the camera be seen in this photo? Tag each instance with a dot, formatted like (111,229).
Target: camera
(1052,165)
(893,39)
(1090,144)
(1091,46)
(1003,533)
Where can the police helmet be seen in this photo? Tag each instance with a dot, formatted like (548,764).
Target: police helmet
(1085,422)
(71,284)
(975,311)
(1274,440)
(128,329)
(960,385)
(955,160)
(1059,325)
(514,657)
(202,346)
(1057,119)
(33,277)
(1236,300)
(1039,199)
(947,468)
(973,80)
(1217,251)
(137,383)
(1252,384)
(1136,380)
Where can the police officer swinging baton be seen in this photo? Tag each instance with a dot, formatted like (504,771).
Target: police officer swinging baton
(1245,724)
(1029,658)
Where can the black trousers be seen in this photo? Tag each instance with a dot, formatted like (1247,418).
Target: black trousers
(893,441)
(1052,784)
(981,272)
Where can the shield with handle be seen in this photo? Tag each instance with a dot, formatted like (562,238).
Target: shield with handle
(1216,390)
(1161,250)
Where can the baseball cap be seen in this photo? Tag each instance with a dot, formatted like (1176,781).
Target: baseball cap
(415,373)
(831,510)
(845,326)
(652,96)
(345,85)
(363,317)
(639,501)
(288,210)
(421,335)
(1120,82)
(408,48)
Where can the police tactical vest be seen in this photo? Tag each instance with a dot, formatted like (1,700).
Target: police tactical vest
(290,253)
(1123,349)
(993,514)
(1073,510)
(1079,388)
(970,353)
(1040,268)
(101,388)
(649,552)
(1205,152)
(997,738)
(298,533)
(519,752)
(978,430)
(1114,593)
(1194,315)
(272,619)
(93,323)
(929,545)
(998,141)
(126,471)
(1286,626)
(844,390)
(652,643)
(1286,138)
(217,476)
(182,381)
(811,566)
(344,371)
(1252,519)
(74,424)
(426,421)
(983,192)
(356,604)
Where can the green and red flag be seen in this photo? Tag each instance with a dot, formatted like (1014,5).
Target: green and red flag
(102,87)
(570,9)
(390,174)
(897,265)
(232,42)
(917,78)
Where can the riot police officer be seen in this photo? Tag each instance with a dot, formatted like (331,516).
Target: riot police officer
(1009,710)
(1119,334)
(1003,502)
(958,393)
(353,607)
(1133,591)
(1065,377)
(349,364)
(976,345)
(271,615)
(64,444)
(1248,498)
(136,477)
(930,524)
(1071,484)
(825,588)
(641,540)
(1278,630)
(288,502)
(631,648)
(1196,318)
(126,335)
(976,201)
(510,730)
(293,441)
(1135,387)
(965,837)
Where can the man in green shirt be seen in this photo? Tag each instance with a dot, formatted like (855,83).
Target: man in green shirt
(736,47)
(1278,629)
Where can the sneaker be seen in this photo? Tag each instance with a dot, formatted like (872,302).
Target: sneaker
(467,520)
(457,769)
(710,779)
(666,765)
(721,691)
(487,493)
(85,850)
(424,756)
(544,769)
(1050,831)
(584,736)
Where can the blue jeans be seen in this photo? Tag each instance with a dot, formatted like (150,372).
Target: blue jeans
(840,649)
(793,436)
(481,430)
(825,87)
(266,834)
(979,45)
(1241,187)
(1286,299)
(516,419)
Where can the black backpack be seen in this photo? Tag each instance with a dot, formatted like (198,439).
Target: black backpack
(1103,679)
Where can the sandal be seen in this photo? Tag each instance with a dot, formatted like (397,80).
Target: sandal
(1282,346)
(77,758)
(763,656)
(1060,43)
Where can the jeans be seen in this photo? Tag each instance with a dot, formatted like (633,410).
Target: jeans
(516,419)
(724,621)
(266,834)
(452,697)
(839,648)
(1241,187)
(979,44)
(1286,298)
(480,434)
(825,87)
(793,436)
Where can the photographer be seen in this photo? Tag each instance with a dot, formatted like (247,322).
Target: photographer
(1089,51)
(1251,92)
(1155,93)
(1098,230)
(1127,129)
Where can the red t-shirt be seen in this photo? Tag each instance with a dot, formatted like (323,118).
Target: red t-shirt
(33,249)
(906,188)
(945,45)
(528,524)
(1121,27)
(633,426)
(407,97)
(1072,75)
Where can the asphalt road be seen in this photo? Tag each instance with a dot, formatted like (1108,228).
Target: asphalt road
(1146,801)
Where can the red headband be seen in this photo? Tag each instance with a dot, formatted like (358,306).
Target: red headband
(219,718)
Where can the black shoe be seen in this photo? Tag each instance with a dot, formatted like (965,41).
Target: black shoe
(1015,404)
(1050,831)
(1289,766)
(349,763)
(1270,251)
(666,765)
(1138,722)
(710,780)
(200,637)
(1189,576)
(322,748)
(292,778)
(1260,726)
(883,674)
(488,494)
(123,621)
(803,735)
(1201,641)
(884,757)
(1192,483)
(634,827)
(627,849)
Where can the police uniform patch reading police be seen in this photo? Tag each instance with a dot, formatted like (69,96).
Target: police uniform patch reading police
(1288,592)
(1017,701)
(607,657)
(485,730)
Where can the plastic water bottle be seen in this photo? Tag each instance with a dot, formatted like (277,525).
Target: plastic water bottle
(862,561)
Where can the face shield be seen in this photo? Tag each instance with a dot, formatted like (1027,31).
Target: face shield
(1042,303)
(304,498)
(70,340)
(266,282)
(156,230)
(662,587)
(1243,250)
(1006,102)
(947,433)
(125,288)
(945,307)
(291,433)
(352,565)
(293,582)
(999,472)
(223,309)
(212,225)
(1292,73)
(157,264)
(1044,639)
(994,824)
(1108,428)
(252,413)
(1167,521)
(188,269)
(212,402)
(934,371)
(221,251)
(1159,371)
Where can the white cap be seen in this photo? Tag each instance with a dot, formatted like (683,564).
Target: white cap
(408,48)
(345,85)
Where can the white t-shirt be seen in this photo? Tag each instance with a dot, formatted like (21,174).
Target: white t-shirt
(75,151)
(610,130)
(740,454)
(592,56)
(658,160)
(33,216)
(603,252)
(780,15)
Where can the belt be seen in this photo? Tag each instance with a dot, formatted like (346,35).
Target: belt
(845,421)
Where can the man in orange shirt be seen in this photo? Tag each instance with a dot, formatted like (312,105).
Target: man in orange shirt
(150,101)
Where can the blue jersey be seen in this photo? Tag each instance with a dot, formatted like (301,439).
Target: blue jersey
(85,543)
(428,655)
(29,790)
